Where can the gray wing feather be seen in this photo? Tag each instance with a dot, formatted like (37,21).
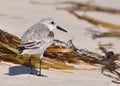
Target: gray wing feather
(36,36)
(36,32)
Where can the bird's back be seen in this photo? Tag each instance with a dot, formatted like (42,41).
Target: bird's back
(35,33)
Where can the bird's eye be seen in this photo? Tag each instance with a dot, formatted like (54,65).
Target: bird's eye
(52,23)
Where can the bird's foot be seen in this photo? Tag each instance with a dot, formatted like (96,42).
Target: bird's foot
(32,73)
(41,75)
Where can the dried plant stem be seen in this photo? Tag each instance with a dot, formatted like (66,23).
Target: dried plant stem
(87,6)
(94,21)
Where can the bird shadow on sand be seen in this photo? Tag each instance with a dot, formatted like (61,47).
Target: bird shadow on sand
(18,70)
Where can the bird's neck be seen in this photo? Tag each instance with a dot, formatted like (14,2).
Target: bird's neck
(50,27)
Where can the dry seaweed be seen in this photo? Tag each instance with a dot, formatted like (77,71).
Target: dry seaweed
(57,59)
(94,21)
(6,38)
(110,62)
(106,34)
(96,34)
(111,65)
(89,7)
(7,49)
(8,52)
(86,7)
(86,55)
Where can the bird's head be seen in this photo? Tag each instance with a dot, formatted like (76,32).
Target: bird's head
(51,24)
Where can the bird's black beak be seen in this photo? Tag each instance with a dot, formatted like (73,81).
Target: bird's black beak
(58,27)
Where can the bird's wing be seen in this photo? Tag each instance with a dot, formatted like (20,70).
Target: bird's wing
(36,36)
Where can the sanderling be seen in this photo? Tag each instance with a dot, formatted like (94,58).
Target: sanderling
(37,39)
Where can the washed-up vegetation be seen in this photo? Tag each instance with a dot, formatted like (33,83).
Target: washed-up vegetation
(79,6)
(97,34)
(84,7)
(57,55)
(107,34)
(8,52)
(94,21)
(110,62)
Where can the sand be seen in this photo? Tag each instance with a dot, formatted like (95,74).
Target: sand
(16,16)
(17,75)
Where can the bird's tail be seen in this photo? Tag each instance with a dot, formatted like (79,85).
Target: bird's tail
(20,49)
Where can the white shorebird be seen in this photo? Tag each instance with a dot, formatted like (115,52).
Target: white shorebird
(37,39)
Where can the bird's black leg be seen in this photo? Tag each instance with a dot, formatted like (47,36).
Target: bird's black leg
(30,64)
(40,74)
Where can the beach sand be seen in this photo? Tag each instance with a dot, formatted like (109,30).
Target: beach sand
(16,16)
(17,75)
